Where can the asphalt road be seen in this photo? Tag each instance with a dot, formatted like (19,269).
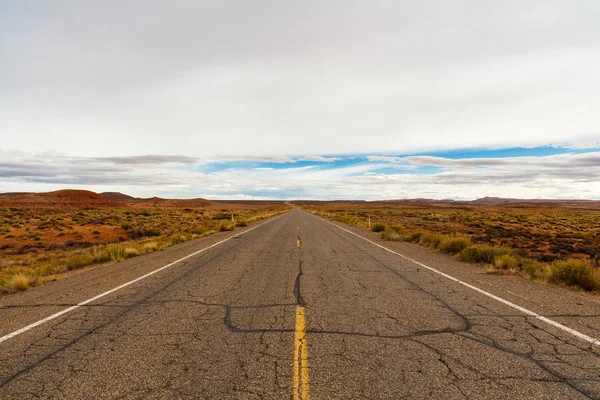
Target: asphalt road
(293,308)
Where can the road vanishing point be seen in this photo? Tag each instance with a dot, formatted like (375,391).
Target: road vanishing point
(297,307)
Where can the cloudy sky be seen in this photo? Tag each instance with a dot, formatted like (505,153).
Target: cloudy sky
(313,99)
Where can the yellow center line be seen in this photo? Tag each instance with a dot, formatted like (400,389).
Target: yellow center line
(299,242)
(301,389)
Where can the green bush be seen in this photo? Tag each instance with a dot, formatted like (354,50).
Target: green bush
(378,227)
(454,245)
(575,273)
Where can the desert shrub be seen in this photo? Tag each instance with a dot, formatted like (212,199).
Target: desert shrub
(432,240)
(18,282)
(100,255)
(483,254)
(454,245)
(75,261)
(506,261)
(143,232)
(378,227)
(116,252)
(226,226)
(177,239)
(45,270)
(575,273)
(534,269)
(37,235)
(149,247)
(130,252)
(198,229)
(391,234)
(241,223)
(414,237)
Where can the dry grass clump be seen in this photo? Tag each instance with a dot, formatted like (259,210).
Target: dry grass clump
(391,234)
(454,245)
(198,230)
(226,226)
(130,252)
(378,227)
(507,261)
(577,273)
(177,239)
(18,282)
(483,254)
(78,260)
(414,237)
(116,252)
(150,247)
(431,240)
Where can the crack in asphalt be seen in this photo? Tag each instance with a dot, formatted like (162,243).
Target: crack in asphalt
(126,309)
(467,332)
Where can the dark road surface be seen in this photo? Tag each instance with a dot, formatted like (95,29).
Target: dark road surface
(297,308)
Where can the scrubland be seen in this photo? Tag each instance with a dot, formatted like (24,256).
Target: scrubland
(551,245)
(38,244)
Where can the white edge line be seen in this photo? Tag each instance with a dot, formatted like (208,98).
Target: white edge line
(558,325)
(83,303)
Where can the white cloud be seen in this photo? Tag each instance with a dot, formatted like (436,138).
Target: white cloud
(277,159)
(557,176)
(319,159)
(389,159)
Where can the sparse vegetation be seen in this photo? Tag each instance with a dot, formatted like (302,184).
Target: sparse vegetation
(556,245)
(37,244)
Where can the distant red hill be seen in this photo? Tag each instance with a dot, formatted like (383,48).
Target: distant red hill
(86,198)
(66,197)
(116,196)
